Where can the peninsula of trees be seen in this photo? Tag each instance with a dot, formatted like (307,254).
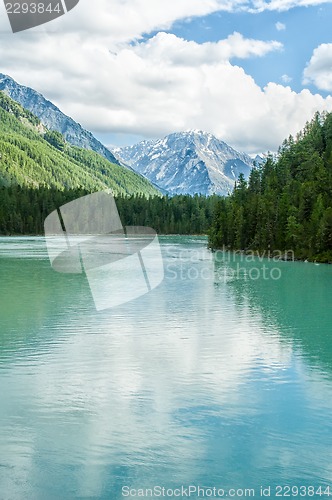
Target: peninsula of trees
(287,202)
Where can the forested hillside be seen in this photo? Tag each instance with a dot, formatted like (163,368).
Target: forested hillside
(32,156)
(287,202)
(23,210)
(53,118)
(40,172)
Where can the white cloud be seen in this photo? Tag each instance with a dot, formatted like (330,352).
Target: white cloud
(92,66)
(124,20)
(162,85)
(280,26)
(286,78)
(319,68)
(168,47)
(280,5)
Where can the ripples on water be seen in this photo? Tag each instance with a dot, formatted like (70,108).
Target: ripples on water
(203,381)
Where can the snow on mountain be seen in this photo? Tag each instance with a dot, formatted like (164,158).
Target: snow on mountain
(52,117)
(188,163)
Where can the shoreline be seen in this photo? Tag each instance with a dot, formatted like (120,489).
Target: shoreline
(276,255)
(19,235)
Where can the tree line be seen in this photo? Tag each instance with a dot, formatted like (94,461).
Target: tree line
(287,202)
(23,210)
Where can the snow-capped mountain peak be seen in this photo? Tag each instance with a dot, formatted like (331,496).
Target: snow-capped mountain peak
(188,162)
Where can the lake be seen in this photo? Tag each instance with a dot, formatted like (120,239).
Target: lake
(221,377)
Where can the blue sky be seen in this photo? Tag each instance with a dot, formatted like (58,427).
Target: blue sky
(140,69)
(305,29)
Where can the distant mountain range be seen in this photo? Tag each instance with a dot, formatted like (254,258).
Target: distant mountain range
(188,163)
(181,163)
(52,117)
(32,156)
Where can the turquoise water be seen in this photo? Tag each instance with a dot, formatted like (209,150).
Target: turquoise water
(217,378)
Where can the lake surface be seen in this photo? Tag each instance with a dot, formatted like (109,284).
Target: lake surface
(220,377)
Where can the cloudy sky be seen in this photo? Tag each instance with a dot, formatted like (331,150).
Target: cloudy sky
(249,71)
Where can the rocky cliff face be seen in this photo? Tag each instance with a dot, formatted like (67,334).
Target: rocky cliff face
(52,117)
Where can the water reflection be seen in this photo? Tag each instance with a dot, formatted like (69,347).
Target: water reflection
(297,304)
(197,382)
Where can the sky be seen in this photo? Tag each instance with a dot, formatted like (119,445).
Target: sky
(249,71)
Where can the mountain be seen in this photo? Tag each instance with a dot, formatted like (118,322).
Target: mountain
(187,163)
(33,156)
(52,117)
(260,160)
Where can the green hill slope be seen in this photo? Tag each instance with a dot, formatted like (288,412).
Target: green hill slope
(32,156)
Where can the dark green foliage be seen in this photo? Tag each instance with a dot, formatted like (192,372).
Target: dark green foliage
(287,203)
(55,139)
(182,214)
(23,210)
(13,108)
